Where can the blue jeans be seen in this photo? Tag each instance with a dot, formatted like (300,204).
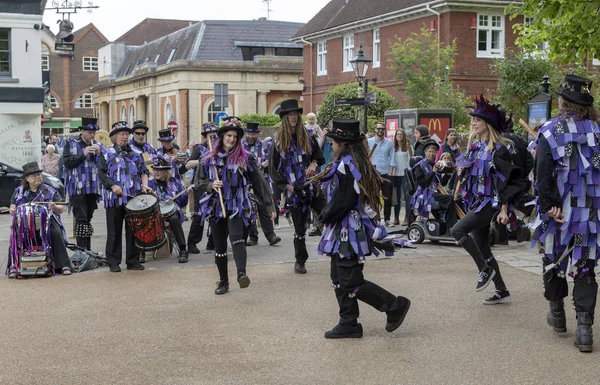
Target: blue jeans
(400,184)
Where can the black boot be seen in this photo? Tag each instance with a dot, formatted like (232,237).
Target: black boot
(584,338)
(183,256)
(301,255)
(556,316)
(384,301)
(222,287)
(193,249)
(348,327)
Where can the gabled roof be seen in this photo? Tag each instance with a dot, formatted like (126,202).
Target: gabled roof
(151,29)
(212,40)
(81,32)
(340,12)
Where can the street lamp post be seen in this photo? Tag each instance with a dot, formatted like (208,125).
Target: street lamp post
(361,64)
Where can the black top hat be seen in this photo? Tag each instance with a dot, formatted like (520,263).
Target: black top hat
(289,105)
(89,124)
(209,128)
(31,168)
(431,143)
(231,127)
(228,118)
(140,124)
(346,130)
(576,89)
(160,162)
(252,128)
(165,135)
(118,127)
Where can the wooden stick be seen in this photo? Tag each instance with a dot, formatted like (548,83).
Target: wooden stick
(223,214)
(459,213)
(527,128)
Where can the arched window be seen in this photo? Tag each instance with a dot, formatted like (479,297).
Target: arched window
(168,113)
(54,102)
(123,114)
(276,109)
(212,112)
(131,115)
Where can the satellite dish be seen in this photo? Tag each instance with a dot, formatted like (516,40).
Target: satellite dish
(103,137)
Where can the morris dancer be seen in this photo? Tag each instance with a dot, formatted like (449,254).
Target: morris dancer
(123,174)
(138,141)
(568,171)
(229,170)
(53,238)
(490,183)
(166,187)
(82,186)
(259,150)
(170,150)
(352,185)
(295,155)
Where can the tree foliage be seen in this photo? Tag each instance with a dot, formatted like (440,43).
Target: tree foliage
(423,69)
(570,28)
(265,120)
(375,112)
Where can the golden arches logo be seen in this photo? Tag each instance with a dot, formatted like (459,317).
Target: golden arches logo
(434,124)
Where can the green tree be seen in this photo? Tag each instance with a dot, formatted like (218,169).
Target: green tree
(423,69)
(266,120)
(375,112)
(570,28)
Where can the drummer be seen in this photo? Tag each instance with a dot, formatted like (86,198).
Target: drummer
(123,173)
(34,190)
(166,187)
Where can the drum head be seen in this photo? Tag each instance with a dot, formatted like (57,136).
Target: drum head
(166,207)
(141,202)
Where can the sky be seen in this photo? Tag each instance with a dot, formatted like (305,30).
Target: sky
(115,17)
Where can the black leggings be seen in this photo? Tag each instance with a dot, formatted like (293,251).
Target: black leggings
(478,243)
(237,231)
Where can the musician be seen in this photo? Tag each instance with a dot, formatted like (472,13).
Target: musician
(428,178)
(568,175)
(138,141)
(228,168)
(166,187)
(82,186)
(253,145)
(295,155)
(123,175)
(352,186)
(34,190)
(209,133)
(171,150)
(489,180)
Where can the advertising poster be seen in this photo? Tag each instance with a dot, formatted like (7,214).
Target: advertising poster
(20,139)
(437,126)
(391,125)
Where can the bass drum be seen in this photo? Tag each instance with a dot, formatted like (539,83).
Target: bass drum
(145,221)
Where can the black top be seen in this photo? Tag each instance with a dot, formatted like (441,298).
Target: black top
(548,193)
(343,200)
(72,160)
(278,175)
(419,146)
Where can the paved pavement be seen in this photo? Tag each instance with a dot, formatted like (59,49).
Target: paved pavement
(165,326)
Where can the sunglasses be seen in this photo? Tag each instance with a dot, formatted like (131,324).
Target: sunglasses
(139,133)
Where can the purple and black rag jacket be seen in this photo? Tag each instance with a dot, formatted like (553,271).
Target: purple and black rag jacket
(146,147)
(292,167)
(124,167)
(81,171)
(167,189)
(569,178)
(423,198)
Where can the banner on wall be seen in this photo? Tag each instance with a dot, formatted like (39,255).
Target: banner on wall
(20,139)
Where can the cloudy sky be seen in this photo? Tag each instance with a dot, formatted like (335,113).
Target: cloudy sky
(115,17)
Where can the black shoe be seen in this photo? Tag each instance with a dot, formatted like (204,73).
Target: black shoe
(345,331)
(252,242)
(556,316)
(210,247)
(193,249)
(136,266)
(584,337)
(498,296)
(222,287)
(183,256)
(395,319)
(115,268)
(315,232)
(274,239)
(142,258)
(299,268)
(244,281)
(485,277)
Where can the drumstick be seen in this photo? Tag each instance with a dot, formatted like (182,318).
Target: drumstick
(177,196)
(219,189)
(527,128)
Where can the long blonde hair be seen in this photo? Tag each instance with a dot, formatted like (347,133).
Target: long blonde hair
(493,137)
(284,135)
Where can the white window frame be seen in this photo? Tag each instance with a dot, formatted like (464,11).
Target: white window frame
(123,113)
(85,101)
(348,49)
(90,63)
(8,51)
(131,115)
(376,48)
(542,50)
(45,62)
(213,112)
(54,102)
(322,58)
(156,58)
(489,22)
(170,59)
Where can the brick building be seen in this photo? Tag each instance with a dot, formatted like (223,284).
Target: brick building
(332,37)
(173,77)
(71,75)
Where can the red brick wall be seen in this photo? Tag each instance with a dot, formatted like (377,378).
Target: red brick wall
(182,131)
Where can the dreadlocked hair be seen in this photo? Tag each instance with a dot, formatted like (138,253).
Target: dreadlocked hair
(370,182)
(284,135)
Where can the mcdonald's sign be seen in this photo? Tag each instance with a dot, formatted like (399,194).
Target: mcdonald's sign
(434,125)
(437,125)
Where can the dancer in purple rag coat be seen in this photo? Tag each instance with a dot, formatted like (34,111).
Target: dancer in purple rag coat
(568,172)
(229,171)
(352,186)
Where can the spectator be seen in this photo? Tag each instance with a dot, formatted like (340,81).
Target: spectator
(449,145)
(421,136)
(382,157)
(50,161)
(402,154)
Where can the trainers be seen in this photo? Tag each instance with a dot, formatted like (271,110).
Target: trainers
(389,224)
(136,266)
(345,331)
(274,239)
(183,256)
(244,281)
(222,287)
(498,296)
(252,242)
(485,277)
(299,268)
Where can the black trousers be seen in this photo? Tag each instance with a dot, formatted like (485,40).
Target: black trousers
(350,286)
(236,230)
(301,219)
(447,203)
(265,222)
(83,207)
(477,244)
(387,189)
(177,231)
(585,288)
(197,225)
(115,216)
